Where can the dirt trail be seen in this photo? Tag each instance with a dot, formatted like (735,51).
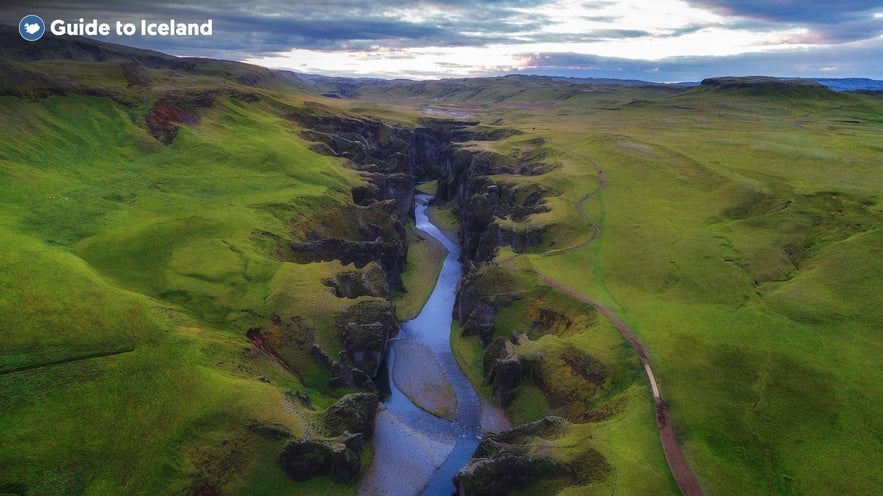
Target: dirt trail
(681,472)
(579,208)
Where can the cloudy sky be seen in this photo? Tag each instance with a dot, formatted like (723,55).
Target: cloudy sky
(655,40)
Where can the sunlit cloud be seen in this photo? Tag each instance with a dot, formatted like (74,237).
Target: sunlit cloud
(453,38)
(412,63)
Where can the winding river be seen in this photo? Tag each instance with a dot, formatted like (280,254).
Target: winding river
(417,452)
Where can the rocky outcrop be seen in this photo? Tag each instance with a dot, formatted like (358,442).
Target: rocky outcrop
(395,186)
(380,147)
(346,458)
(303,459)
(359,236)
(507,461)
(320,357)
(353,413)
(505,376)
(504,372)
(340,458)
(572,394)
(545,428)
(392,158)
(481,203)
(504,473)
(480,294)
(364,329)
(357,283)
(346,376)
(388,254)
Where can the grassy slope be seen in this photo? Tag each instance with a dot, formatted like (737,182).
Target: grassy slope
(116,245)
(765,382)
(741,240)
(425,258)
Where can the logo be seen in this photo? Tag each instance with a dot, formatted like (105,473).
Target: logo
(31,27)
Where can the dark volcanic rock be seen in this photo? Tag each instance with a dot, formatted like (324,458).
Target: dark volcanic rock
(346,458)
(319,356)
(522,240)
(396,186)
(346,376)
(505,473)
(303,459)
(364,329)
(357,235)
(505,376)
(341,458)
(505,372)
(495,351)
(388,254)
(354,284)
(479,297)
(481,202)
(377,146)
(546,428)
(354,413)
(507,461)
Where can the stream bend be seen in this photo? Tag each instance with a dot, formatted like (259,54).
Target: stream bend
(415,451)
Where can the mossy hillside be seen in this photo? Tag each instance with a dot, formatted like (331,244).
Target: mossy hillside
(73,342)
(560,342)
(129,259)
(745,234)
(739,240)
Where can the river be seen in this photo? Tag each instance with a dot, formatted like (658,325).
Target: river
(416,452)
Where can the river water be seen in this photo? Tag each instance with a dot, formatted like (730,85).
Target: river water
(416,452)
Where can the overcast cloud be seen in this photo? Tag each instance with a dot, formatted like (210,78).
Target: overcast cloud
(663,40)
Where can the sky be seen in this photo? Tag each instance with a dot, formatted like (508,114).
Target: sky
(652,40)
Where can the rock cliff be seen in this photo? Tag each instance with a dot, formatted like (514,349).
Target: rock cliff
(508,461)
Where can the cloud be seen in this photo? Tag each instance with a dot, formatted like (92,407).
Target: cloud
(475,37)
(842,61)
(822,12)
(828,22)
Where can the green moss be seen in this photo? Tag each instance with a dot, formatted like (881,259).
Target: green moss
(425,258)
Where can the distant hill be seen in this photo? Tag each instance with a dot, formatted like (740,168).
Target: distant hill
(760,86)
(851,84)
(51,47)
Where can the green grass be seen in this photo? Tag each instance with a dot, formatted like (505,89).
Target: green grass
(443,217)
(741,236)
(425,258)
(131,272)
(740,239)
(760,320)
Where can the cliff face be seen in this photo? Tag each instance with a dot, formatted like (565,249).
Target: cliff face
(506,462)
(393,158)
(482,202)
(371,234)
(494,211)
(375,146)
